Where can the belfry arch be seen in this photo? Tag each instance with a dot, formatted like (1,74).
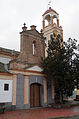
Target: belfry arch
(48,19)
(51,20)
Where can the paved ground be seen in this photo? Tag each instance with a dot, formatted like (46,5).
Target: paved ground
(74,117)
(43,113)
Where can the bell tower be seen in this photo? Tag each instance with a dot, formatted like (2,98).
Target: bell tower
(50,25)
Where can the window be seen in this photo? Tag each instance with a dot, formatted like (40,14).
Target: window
(34,47)
(6,87)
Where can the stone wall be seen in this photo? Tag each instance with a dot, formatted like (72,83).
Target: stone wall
(27,39)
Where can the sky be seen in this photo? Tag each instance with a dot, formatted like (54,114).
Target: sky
(13,13)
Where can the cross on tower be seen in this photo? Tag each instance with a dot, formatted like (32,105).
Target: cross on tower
(24,27)
(24,24)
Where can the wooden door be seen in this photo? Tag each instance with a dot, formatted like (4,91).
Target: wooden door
(35,95)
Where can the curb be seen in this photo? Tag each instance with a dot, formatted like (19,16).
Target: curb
(67,117)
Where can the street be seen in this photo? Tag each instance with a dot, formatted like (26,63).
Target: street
(43,113)
(74,117)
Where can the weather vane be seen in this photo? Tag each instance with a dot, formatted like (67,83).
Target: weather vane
(49,4)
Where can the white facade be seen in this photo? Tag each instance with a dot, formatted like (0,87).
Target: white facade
(35,68)
(5,95)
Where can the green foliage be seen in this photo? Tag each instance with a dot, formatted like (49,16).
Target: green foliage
(76,71)
(60,64)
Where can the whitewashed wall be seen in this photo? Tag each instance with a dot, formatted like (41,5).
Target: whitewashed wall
(35,68)
(5,96)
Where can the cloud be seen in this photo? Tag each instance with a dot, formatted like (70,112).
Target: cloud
(13,13)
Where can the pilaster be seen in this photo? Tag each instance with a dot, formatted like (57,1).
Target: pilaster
(43,24)
(26,89)
(45,90)
(14,90)
(51,21)
(53,91)
(58,22)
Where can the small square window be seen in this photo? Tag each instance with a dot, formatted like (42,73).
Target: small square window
(6,87)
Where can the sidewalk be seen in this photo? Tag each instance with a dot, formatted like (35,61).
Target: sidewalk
(42,113)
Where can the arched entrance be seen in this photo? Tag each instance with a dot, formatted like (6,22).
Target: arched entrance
(34,95)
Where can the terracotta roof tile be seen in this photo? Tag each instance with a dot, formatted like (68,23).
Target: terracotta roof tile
(9,51)
(49,10)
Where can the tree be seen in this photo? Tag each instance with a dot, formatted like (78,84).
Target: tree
(59,65)
(76,73)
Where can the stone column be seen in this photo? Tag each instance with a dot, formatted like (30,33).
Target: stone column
(58,22)
(43,24)
(45,90)
(14,90)
(51,20)
(26,89)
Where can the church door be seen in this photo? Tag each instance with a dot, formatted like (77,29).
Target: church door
(35,95)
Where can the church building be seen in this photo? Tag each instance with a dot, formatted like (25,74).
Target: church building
(22,83)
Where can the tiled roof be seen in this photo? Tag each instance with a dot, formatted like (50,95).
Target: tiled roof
(12,52)
(35,32)
(49,10)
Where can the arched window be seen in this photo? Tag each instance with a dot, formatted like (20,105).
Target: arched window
(34,47)
(47,20)
(55,20)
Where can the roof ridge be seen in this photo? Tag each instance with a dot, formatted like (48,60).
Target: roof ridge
(8,50)
(49,10)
